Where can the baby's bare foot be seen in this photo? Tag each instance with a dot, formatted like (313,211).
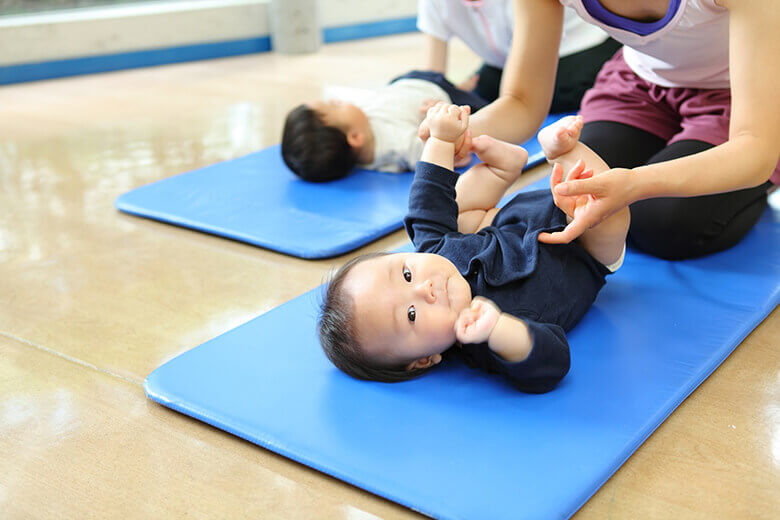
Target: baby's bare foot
(560,137)
(504,159)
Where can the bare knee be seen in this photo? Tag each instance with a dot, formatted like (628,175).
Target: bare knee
(487,219)
(469,221)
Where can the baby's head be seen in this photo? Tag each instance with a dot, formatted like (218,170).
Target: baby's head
(323,140)
(388,317)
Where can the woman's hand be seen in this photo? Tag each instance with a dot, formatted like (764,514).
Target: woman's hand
(607,193)
(475,323)
(569,204)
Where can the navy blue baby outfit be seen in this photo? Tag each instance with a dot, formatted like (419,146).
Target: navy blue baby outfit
(549,287)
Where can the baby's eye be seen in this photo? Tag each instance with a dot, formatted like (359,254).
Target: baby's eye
(407,275)
(411,313)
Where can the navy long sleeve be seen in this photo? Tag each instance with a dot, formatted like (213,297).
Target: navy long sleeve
(548,287)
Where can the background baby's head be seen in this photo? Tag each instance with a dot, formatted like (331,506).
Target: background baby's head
(324,140)
(313,151)
(388,317)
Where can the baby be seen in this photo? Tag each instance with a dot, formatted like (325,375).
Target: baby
(325,140)
(482,279)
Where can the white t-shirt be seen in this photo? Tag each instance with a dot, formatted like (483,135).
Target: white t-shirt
(486,27)
(394,115)
(689,47)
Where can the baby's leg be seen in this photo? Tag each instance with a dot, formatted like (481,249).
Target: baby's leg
(560,144)
(560,138)
(481,187)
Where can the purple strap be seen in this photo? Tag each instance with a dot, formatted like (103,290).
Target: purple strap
(600,13)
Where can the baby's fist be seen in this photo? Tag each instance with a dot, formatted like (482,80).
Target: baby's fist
(475,323)
(447,122)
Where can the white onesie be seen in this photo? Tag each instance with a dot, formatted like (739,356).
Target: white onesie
(394,115)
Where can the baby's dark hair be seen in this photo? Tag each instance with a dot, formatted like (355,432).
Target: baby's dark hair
(313,151)
(336,329)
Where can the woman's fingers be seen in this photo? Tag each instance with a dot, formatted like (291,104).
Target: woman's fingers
(465,145)
(592,185)
(556,176)
(575,228)
(576,170)
(561,237)
(465,110)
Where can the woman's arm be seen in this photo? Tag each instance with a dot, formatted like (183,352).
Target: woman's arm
(435,54)
(747,159)
(750,155)
(529,74)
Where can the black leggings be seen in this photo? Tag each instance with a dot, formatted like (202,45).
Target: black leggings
(675,227)
(576,74)
(457,96)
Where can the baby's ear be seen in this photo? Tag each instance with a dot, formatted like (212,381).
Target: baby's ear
(426,362)
(356,139)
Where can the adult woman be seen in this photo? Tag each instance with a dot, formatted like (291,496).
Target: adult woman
(688,118)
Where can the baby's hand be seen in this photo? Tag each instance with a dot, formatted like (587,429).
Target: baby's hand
(475,323)
(446,122)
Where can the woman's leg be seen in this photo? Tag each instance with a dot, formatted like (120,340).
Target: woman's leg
(620,145)
(577,73)
(489,82)
(457,96)
(675,228)
(625,124)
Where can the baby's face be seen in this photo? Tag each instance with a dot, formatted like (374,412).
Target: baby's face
(340,114)
(406,305)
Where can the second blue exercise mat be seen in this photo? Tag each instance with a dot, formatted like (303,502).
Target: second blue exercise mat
(460,444)
(258,200)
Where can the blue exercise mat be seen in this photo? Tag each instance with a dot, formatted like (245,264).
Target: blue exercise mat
(258,200)
(459,443)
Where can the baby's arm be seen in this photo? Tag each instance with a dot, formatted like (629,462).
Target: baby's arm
(533,356)
(506,335)
(605,241)
(446,124)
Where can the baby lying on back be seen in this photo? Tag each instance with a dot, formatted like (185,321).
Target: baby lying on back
(482,279)
(325,140)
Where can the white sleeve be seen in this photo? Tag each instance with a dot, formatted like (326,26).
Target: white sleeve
(431,20)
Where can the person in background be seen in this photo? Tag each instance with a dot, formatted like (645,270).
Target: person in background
(324,139)
(485,26)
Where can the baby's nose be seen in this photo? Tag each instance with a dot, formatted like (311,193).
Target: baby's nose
(425,290)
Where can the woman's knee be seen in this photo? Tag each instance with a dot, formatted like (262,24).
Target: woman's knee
(659,228)
(678,228)
(620,145)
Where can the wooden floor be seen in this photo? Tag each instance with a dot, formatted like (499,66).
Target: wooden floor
(92,300)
